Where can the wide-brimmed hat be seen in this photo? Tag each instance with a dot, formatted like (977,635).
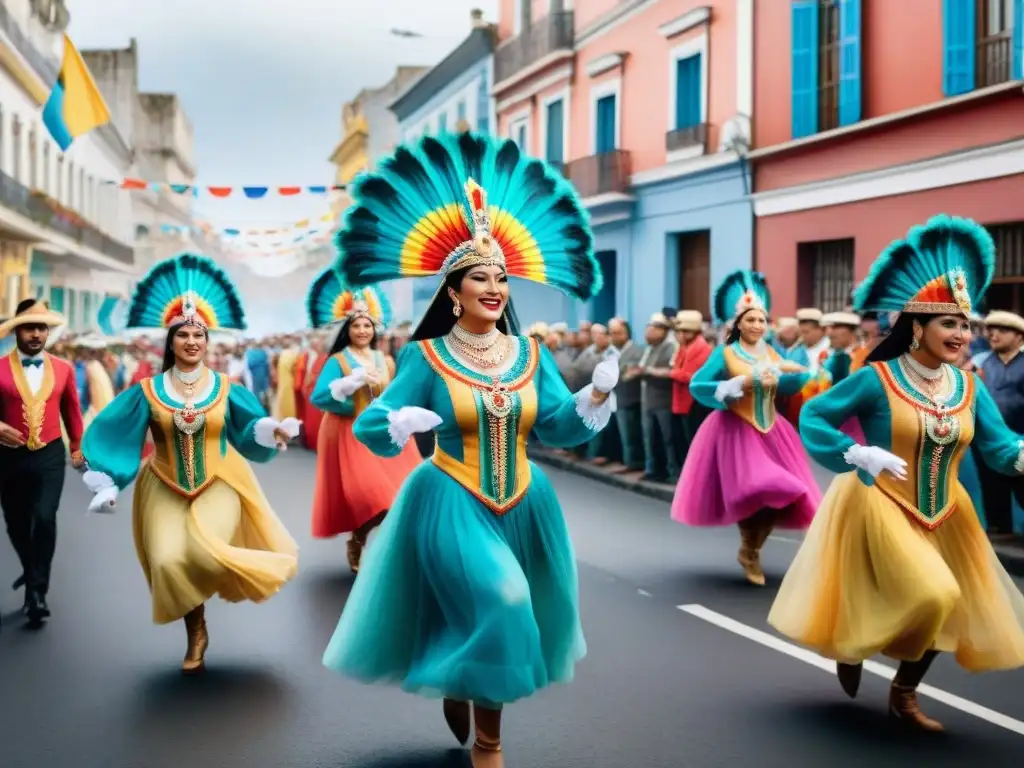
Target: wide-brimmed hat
(37,314)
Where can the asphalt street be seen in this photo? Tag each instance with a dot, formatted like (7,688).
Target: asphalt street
(682,670)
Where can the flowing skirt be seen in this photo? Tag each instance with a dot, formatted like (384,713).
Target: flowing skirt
(311,424)
(224,542)
(868,579)
(454,600)
(353,485)
(732,472)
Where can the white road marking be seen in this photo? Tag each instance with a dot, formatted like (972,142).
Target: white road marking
(786,539)
(812,658)
(643,592)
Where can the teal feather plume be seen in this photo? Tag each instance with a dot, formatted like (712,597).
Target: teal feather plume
(734,287)
(159,295)
(413,212)
(943,245)
(322,297)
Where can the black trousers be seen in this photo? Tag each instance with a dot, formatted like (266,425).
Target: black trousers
(998,492)
(31,483)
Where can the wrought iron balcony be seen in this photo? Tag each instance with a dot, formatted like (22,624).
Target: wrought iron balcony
(684,138)
(601,174)
(48,213)
(994,59)
(543,37)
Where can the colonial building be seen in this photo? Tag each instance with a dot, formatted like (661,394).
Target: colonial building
(647,106)
(369,131)
(65,233)
(857,140)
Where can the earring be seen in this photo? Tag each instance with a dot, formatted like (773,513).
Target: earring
(915,344)
(457,308)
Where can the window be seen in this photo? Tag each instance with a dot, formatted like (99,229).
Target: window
(442,122)
(1007,290)
(825,274)
(519,130)
(688,99)
(520,137)
(604,124)
(688,82)
(981,44)
(554,131)
(33,160)
(826,63)
(994,42)
(460,111)
(16,132)
(483,107)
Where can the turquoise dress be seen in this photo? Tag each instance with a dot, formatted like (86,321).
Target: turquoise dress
(470,590)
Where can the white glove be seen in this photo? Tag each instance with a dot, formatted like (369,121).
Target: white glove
(265,428)
(875,460)
(730,389)
(606,376)
(104,500)
(342,389)
(409,420)
(97,481)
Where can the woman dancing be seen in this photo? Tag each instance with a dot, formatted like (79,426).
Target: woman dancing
(354,487)
(745,467)
(896,561)
(201,523)
(470,592)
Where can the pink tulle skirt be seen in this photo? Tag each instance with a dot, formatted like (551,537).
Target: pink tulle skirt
(732,471)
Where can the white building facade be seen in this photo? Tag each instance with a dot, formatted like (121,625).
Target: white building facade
(66,227)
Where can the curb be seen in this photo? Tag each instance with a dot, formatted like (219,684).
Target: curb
(1012,557)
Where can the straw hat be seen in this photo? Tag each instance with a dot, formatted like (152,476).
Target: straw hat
(37,314)
(688,320)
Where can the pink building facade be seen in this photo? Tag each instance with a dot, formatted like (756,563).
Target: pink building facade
(857,139)
(647,107)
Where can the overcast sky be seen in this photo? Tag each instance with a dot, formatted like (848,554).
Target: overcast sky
(263,81)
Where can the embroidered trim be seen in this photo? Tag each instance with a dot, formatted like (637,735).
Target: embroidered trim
(33,406)
(518,376)
(962,397)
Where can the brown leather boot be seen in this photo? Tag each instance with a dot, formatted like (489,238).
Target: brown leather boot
(749,556)
(355,552)
(456,714)
(903,695)
(198,641)
(849,677)
(487,747)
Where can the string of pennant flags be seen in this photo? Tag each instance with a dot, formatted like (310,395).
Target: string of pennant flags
(250,193)
(304,228)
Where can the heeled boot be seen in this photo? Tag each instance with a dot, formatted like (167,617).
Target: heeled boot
(749,556)
(487,747)
(198,641)
(903,694)
(849,677)
(354,551)
(456,714)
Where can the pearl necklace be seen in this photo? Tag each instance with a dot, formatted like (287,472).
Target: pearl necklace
(928,381)
(484,350)
(188,377)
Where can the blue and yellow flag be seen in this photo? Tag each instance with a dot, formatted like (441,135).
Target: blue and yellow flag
(76,105)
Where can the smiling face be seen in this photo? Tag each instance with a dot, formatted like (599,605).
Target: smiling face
(753,324)
(361,332)
(189,345)
(944,337)
(483,294)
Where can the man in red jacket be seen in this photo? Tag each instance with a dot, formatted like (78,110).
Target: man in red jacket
(37,390)
(692,353)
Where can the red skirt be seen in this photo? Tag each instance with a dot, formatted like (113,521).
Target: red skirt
(311,426)
(352,484)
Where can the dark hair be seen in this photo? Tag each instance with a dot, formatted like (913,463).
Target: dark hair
(898,339)
(343,339)
(734,332)
(169,346)
(438,320)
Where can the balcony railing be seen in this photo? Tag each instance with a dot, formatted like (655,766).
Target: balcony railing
(552,33)
(50,214)
(601,174)
(684,138)
(994,62)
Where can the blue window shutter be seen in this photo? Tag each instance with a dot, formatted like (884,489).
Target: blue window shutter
(958,46)
(805,67)
(605,124)
(688,92)
(555,132)
(1018,39)
(849,62)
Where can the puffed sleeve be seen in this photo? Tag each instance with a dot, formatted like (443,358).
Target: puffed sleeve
(113,443)
(822,416)
(411,387)
(998,446)
(565,419)
(322,397)
(245,417)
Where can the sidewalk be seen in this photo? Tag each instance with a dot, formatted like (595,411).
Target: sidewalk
(1011,555)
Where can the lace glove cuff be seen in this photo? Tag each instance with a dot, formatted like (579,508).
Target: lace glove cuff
(595,416)
(730,389)
(875,460)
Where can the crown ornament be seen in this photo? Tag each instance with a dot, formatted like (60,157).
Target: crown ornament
(482,250)
(189,314)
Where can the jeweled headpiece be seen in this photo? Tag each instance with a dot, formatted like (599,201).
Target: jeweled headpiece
(187,289)
(741,291)
(329,302)
(941,268)
(458,200)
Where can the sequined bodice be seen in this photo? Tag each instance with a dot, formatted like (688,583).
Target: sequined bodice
(756,407)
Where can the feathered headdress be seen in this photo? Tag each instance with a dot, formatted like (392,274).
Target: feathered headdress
(941,268)
(330,302)
(740,291)
(461,200)
(186,289)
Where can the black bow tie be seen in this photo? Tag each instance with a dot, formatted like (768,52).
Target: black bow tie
(29,362)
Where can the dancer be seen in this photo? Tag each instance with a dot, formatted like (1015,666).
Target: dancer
(314,416)
(201,523)
(896,561)
(37,392)
(354,488)
(745,467)
(470,591)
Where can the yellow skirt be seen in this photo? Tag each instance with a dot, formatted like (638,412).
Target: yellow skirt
(224,542)
(869,580)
